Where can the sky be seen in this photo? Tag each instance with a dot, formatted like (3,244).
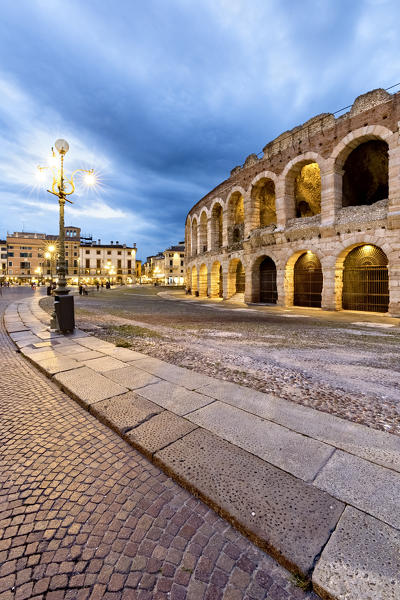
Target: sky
(164,97)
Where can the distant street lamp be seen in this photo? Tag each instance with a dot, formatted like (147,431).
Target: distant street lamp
(63,316)
(49,255)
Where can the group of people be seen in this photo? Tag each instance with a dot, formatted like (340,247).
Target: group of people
(83,288)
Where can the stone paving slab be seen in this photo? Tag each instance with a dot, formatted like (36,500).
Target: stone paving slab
(371,488)
(39,354)
(373,445)
(185,377)
(95,344)
(56,364)
(104,363)
(123,354)
(159,432)
(361,560)
(78,352)
(299,455)
(88,386)
(124,412)
(131,377)
(175,398)
(14,327)
(288,517)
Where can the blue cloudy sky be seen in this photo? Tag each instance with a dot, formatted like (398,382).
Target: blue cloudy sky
(164,97)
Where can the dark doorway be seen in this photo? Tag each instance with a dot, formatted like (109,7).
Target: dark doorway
(366,280)
(268,291)
(308,281)
(220,284)
(240,278)
(365,178)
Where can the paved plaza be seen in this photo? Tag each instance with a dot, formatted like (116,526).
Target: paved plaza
(319,493)
(84,515)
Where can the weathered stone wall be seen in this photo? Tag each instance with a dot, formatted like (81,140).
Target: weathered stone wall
(330,234)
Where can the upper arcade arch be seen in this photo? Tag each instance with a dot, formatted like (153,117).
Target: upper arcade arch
(203,231)
(235,217)
(262,200)
(216,224)
(194,237)
(302,185)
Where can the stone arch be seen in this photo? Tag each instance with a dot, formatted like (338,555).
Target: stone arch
(236,278)
(188,237)
(362,278)
(263,280)
(194,236)
(302,180)
(366,174)
(235,217)
(203,283)
(194,281)
(289,283)
(353,139)
(262,200)
(217,285)
(216,226)
(203,226)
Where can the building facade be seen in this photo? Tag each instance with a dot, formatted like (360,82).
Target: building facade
(33,256)
(166,268)
(314,222)
(112,262)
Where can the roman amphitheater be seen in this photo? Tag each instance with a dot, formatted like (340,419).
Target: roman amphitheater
(314,222)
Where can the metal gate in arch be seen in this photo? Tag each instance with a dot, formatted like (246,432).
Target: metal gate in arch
(366,280)
(308,281)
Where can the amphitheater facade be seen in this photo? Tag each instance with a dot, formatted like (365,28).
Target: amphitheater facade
(314,222)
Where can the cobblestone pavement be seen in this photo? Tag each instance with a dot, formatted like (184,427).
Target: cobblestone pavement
(334,362)
(83,515)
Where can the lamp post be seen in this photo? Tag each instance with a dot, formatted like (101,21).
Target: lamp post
(63,317)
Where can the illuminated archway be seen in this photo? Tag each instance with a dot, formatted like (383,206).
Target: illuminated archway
(216,280)
(308,280)
(194,280)
(263,280)
(366,279)
(263,202)
(216,226)
(203,281)
(236,277)
(235,218)
(203,232)
(194,236)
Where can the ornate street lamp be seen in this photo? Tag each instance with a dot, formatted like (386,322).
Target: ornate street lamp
(63,317)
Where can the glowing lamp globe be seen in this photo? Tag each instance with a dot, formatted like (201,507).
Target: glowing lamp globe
(90,179)
(62,146)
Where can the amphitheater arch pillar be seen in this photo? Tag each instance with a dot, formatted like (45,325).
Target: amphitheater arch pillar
(394,183)
(328,299)
(251,220)
(331,192)
(280,286)
(281,203)
(394,286)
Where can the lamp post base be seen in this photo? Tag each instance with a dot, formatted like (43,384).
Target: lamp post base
(63,318)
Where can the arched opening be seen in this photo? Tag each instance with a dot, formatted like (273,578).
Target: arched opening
(365,178)
(263,201)
(366,280)
(235,219)
(216,281)
(267,274)
(216,227)
(203,284)
(308,280)
(307,190)
(194,237)
(236,278)
(188,239)
(203,232)
(194,281)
